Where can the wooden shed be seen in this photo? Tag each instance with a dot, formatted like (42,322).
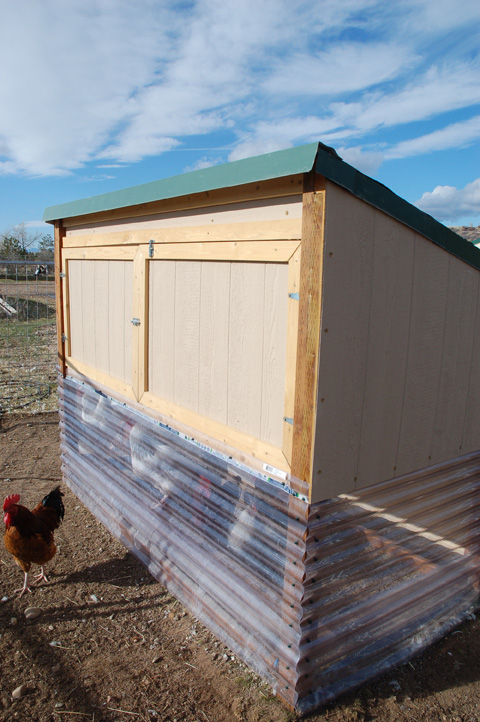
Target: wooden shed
(270,392)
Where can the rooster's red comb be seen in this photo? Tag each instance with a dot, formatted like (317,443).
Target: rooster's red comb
(13,499)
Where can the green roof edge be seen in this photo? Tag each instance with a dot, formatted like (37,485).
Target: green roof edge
(282,163)
(299,159)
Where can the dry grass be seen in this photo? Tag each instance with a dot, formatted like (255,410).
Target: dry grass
(28,346)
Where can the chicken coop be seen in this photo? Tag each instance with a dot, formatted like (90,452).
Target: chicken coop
(270,393)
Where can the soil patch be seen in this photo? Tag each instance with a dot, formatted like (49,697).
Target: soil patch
(111,644)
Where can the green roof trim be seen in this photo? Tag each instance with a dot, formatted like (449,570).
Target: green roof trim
(282,163)
(250,170)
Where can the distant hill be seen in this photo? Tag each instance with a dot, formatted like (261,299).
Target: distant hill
(471,233)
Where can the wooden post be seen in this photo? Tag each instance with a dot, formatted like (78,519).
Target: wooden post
(309,331)
(59,235)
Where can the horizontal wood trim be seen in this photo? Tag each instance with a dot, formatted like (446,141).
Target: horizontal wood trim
(107,253)
(261,251)
(277,187)
(254,231)
(254,447)
(101,378)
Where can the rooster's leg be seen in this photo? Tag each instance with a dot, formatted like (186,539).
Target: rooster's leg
(25,587)
(40,577)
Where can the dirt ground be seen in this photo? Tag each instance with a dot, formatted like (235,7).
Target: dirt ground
(112,644)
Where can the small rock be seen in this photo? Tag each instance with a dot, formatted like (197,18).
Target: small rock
(59,705)
(225,657)
(157,658)
(33,612)
(4,599)
(13,621)
(20,691)
(94,598)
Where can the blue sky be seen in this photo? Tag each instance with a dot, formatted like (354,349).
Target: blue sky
(97,95)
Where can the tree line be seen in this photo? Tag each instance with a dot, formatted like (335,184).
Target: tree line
(18,244)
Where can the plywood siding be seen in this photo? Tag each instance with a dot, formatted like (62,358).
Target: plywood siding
(398,376)
(100,303)
(217,343)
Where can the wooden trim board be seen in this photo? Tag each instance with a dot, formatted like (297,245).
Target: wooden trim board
(259,231)
(59,235)
(308,333)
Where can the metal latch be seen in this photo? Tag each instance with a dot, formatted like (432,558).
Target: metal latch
(64,338)
(63,275)
(295,296)
(288,419)
(136,321)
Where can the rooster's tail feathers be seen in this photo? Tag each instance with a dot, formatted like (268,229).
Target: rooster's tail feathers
(54,501)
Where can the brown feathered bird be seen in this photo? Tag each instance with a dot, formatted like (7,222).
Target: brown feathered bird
(29,534)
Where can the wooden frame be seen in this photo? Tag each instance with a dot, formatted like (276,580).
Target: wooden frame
(278,251)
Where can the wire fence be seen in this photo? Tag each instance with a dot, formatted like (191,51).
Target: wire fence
(28,341)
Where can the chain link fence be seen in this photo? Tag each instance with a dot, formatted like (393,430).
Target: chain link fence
(28,341)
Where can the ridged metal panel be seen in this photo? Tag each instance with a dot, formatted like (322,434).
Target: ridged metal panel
(389,570)
(228,544)
(316,600)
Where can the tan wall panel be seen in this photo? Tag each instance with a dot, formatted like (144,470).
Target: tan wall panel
(389,327)
(471,424)
(347,282)
(214,333)
(75,324)
(101,297)
(458,344)
(274,352)
(162,329)
(218,342)
(187,333)
(399,379)
(425,349)
(247,299)
(89,319)
(100,316)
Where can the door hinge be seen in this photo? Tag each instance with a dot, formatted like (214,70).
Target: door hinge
(64,338)
(135,321)
(63,274)
(150,249)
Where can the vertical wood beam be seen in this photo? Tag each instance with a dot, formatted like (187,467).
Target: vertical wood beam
(59,235)
(308,348)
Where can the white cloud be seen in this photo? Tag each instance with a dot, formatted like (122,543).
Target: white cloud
(116,81)
(456,135)
(344,67)
(447,203)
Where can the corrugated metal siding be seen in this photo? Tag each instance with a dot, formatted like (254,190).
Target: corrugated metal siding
(317,601)
(389,570)
(229,545)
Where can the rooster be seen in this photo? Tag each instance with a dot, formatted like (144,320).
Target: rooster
(29,534)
